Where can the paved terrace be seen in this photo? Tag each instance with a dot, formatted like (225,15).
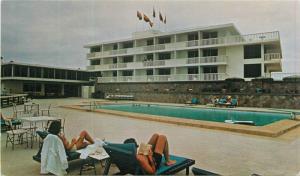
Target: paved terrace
(223,152)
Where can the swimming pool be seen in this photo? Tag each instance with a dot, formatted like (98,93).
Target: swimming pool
(216,115)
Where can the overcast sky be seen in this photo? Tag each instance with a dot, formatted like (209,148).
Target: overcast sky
(54,32)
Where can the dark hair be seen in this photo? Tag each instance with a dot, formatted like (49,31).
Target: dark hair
(54,127)
(131,141)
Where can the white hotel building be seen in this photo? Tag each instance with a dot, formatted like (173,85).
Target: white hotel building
(201,54)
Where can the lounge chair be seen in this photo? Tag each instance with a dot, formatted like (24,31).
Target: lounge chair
(43,134)
(197,171)
(223,102)
(193,101)
(124,156)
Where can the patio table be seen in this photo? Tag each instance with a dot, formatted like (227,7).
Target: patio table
(33,123)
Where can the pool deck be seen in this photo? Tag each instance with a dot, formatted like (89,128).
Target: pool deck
(219,151)
(271,130)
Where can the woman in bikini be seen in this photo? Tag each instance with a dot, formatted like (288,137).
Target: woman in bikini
(151,162)
(82,141)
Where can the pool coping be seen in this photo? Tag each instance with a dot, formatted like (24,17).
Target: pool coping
(271,130)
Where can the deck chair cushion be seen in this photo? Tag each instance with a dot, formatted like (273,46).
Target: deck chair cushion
(124,156)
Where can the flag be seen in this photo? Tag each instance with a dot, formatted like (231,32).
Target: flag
(165,21)
(139,15)
(161,17)
(151,24)
(153,13)
(146,18)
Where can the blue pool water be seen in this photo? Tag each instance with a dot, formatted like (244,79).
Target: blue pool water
(216,115)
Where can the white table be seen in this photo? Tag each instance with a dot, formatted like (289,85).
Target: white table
(33,123)
(94,156)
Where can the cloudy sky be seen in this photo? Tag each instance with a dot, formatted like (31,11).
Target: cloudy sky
(54,32)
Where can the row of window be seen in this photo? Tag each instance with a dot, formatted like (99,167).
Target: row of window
(250,52)
(37,72)
(250,71)
(167,71)
(163,56)
(161,40)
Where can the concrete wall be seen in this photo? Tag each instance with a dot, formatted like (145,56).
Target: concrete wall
(275,94)
(235,55)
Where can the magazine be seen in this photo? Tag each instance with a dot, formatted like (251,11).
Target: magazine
(144,149)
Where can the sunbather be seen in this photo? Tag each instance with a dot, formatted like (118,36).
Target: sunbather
(76,143)
(159,147)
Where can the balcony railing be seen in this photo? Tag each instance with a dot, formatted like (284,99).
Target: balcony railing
(162,63)
(208,59)
(237,39)
(165,78)
(272,56)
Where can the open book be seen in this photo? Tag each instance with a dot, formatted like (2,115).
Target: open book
(144,149)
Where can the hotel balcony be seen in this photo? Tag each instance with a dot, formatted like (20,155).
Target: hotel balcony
(202,43)
(210,60)
(165,78)
(272,57)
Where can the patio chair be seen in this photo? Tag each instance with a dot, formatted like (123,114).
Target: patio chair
(197,171)
(15,136)
(14,122)
(124,156)
(46,110)
(16,110)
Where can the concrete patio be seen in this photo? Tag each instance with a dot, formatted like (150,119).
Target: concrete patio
(223,152)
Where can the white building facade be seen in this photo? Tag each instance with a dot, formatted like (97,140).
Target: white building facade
(201,54)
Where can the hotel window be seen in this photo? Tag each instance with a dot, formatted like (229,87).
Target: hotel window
(20,71)
(128,73)
(252,70)
(149,57)
(95,62)
(210,52)
(115,73)
(164,40)
(115,46)
(48,73)
(27,87)
(60,74)
(35,72)
(193,70)
(210,69)
(6,70)
(193,53)
(208,35)
(193,36)
(127,59)
(71,75)
(164,56)
(149,72)
(128,45)
(115,60)
(164,71)
(95,49)
(150,42)
(252,51)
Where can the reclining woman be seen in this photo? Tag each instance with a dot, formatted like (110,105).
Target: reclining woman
(151,161)
(76,143)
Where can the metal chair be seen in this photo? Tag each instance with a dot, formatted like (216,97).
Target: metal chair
(16,111)
(15,136)
(47,110)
